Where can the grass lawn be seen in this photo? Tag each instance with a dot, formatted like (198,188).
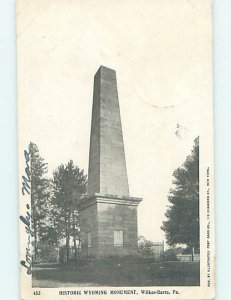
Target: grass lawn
(116,273)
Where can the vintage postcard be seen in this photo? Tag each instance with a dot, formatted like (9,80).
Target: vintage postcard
(115,130)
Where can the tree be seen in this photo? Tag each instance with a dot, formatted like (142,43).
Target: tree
(69,187)
(145,247)
(182,225)
(39,194)
(171,253)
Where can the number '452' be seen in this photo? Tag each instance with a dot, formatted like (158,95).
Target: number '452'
(37,293)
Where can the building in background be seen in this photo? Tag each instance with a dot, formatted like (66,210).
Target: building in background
(158,250)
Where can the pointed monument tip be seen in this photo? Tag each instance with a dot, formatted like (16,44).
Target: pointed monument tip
(103,68)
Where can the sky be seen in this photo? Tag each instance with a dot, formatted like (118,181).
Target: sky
(160,53)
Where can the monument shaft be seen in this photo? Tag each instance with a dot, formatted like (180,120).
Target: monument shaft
(107,172)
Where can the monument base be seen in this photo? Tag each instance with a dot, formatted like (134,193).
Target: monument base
(108,226)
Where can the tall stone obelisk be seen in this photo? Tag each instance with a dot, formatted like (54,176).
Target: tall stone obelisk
(108,217)
(107,172)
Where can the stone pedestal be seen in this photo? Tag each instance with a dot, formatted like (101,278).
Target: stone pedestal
(102,216)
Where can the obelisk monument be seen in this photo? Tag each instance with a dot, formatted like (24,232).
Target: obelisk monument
(108,216)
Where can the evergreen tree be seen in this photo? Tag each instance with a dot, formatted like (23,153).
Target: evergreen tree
(39,194)
(182,225)
(69,187)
